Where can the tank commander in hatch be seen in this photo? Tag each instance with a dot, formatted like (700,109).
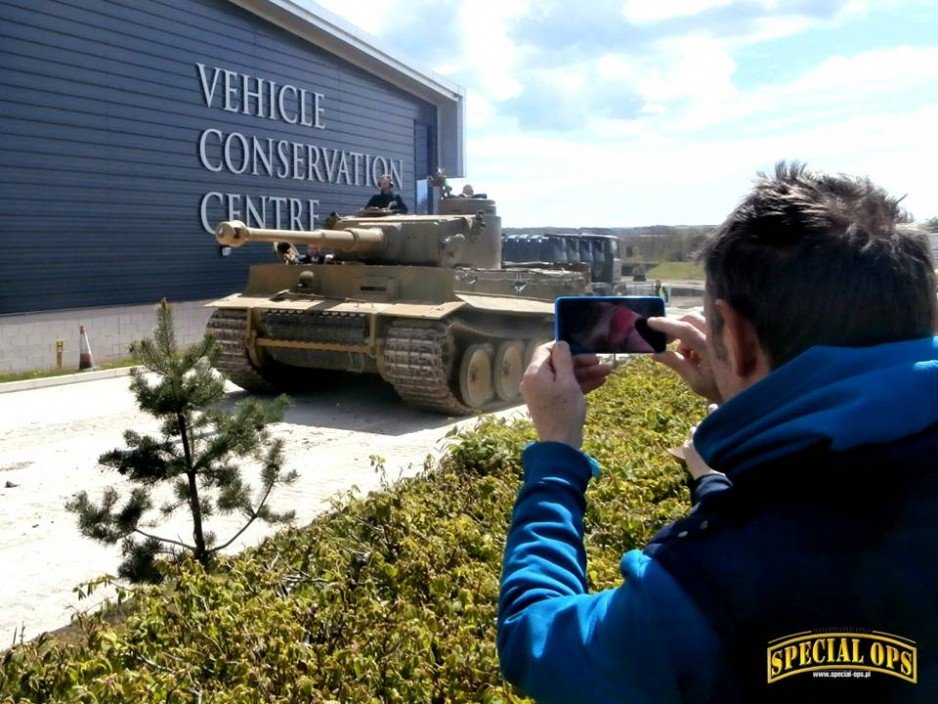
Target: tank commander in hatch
(387,198)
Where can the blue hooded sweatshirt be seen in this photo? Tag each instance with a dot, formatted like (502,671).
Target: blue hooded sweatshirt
(653,639)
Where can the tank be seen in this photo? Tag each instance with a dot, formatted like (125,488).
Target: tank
(421,300)
(597,253)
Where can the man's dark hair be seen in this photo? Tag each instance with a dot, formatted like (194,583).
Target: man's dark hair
(817,259)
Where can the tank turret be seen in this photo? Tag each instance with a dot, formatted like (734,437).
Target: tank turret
(421,300)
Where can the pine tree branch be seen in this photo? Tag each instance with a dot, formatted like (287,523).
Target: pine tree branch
(253,518)
(164,540)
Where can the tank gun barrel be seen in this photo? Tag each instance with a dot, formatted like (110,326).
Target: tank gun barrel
(234,233)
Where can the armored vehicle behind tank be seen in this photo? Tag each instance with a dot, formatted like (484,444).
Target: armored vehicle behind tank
(599,253)
(421,300)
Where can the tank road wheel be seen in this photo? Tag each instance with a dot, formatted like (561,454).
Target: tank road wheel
(529,348)
(475,376)
(509,366)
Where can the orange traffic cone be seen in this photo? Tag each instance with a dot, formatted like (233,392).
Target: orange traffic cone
(85,360)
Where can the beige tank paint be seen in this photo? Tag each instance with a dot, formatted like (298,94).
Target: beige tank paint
(432,312)
(421,300)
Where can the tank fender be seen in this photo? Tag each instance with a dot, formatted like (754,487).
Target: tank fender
(506,304)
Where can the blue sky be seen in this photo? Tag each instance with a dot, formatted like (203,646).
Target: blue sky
(639,112)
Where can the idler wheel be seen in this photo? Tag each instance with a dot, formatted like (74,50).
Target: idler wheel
(475,376)
(509,367)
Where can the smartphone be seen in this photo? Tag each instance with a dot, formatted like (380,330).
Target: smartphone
(609,324)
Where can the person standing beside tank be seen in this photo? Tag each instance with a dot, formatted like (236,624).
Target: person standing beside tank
(809,551)
(386,198)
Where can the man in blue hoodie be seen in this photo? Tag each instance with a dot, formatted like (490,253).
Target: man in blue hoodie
(806,570)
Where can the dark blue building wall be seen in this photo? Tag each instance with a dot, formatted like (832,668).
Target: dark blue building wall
(102,114)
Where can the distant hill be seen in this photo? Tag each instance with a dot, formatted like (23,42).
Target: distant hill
(644,230)
(653,243)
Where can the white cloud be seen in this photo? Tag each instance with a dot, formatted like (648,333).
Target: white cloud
(695,68)
(652,178)
(370,15)
(766,28)
(642,12)
(487,51)
(692,161)
(689,149)
(897,70)
(837,88)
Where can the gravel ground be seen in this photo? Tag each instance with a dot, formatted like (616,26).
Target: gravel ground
(50,440)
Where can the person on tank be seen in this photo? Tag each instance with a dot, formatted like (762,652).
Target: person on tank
(386,198)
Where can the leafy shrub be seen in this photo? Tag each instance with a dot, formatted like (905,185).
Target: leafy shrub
(388,598)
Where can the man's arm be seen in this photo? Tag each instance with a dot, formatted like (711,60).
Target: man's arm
(704,480)
(643,641)
(401,206)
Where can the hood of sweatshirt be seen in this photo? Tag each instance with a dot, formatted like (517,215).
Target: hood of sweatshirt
(844,397)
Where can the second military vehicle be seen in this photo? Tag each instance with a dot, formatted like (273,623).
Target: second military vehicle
(421,300)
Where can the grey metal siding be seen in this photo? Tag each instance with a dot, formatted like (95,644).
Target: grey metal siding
(101,112)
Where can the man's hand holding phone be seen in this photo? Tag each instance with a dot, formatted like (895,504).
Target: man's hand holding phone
(553,392)
(590,372)
(555,381)
(691,358)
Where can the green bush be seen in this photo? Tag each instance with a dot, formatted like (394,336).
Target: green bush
(388,598)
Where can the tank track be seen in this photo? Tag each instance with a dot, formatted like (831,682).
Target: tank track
(229,326)
(420,359)
(417,363)
(314,326)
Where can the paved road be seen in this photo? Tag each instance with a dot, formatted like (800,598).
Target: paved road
(50,439)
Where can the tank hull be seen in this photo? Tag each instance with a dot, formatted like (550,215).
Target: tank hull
(453,341)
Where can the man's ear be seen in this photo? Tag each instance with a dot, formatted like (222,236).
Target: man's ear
(746,357)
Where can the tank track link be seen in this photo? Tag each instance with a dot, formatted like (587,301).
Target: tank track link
(422,360)
(229,326)
(417,363)
(313,326)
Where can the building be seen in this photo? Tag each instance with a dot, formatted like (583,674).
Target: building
(129,129)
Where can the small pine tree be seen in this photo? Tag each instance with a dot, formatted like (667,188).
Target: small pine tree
(196,455)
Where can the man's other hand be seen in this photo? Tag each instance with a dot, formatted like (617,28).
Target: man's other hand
(590,372)
(691,359)
(552,391)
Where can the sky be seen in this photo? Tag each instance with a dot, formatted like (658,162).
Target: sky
(604,113)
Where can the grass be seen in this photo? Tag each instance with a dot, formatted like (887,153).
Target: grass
(677,271)
(43,373)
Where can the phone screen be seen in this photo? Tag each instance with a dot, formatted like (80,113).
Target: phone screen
(609,324)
